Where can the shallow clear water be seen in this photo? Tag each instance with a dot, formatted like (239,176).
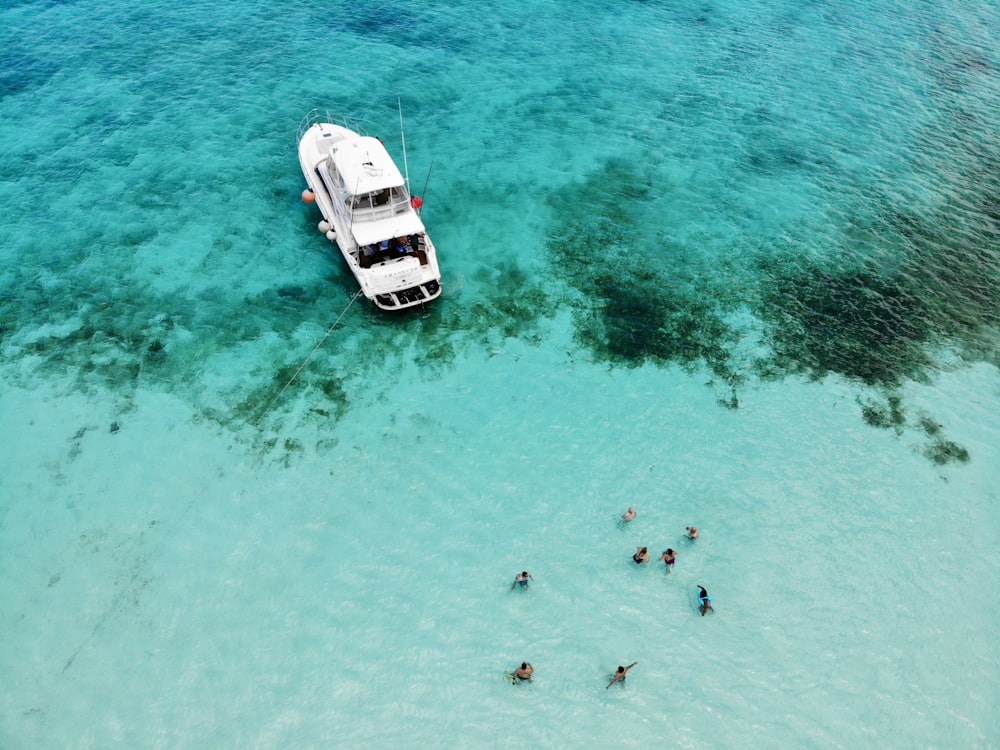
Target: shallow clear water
(734,264)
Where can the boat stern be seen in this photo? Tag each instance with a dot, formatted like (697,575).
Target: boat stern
(402,283)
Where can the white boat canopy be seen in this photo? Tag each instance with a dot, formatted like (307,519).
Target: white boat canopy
(365,165)
(370,232)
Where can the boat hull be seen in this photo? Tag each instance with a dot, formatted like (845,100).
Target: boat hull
(367,212)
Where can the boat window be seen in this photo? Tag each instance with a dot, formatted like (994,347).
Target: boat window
(361,201)
(394,198)
(335,173)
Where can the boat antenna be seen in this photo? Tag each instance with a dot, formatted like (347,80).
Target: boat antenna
(429,170)
(402,135)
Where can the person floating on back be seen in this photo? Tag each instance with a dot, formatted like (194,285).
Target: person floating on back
(521,580)
(630,514)
(692,532)
(641,555)
(619,676)
(704,600)
(523,673)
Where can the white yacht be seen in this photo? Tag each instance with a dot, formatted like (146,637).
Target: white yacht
(367,210)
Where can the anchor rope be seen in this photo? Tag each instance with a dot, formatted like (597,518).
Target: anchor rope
(306,360)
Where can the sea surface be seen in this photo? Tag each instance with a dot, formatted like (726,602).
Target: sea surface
(733,263)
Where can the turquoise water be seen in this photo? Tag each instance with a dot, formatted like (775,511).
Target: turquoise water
(735,264)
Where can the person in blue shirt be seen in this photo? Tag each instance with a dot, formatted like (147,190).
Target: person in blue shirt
(705,600)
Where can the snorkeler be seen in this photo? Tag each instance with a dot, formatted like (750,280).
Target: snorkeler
(521,580)
(619,676)
(705,600)
(523,673)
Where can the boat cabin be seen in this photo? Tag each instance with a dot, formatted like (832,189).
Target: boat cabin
(364,173)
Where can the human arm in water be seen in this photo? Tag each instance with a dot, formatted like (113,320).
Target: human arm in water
(620,674)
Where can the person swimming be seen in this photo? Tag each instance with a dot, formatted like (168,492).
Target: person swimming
(521,580)
(523,673)
(669,557)
(630,514)
(641,556)
(692,532)
(704,599)
(619,676)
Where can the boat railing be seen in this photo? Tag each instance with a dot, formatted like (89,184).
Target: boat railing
(317,115)
(377,213)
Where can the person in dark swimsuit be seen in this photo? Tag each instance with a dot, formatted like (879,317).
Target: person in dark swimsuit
(669,558)
(619,676)
(521,580)
(523,673)
(641,556)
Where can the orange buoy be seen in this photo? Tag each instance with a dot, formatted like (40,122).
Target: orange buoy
(416,201)
(308,195)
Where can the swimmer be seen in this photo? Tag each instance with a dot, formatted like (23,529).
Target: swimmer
(521,580)
(630,514)
(641,555)
(669,558)
(692,532)
(523,673)
(619,676)
(705,600)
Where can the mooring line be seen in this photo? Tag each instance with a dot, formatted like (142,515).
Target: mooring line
(114,607)
(306,360)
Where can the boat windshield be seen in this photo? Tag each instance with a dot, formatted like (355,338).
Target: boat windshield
(392,198)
